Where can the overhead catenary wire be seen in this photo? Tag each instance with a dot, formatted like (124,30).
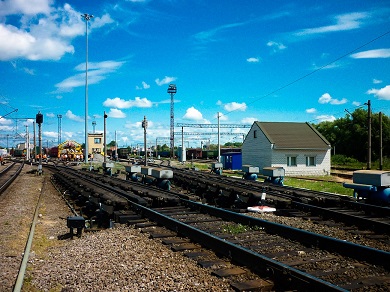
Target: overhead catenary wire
(312,72)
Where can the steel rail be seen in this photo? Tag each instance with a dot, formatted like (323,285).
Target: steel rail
(12,178)
(22,270)
(376,225)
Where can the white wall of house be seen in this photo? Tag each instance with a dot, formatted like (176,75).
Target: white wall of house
(256,151)
(321,158)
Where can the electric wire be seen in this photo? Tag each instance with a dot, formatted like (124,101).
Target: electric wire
(311,72)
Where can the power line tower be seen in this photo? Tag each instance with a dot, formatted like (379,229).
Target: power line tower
(172,91)
(59,129)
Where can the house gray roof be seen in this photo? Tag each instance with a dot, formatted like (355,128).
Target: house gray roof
(286,135)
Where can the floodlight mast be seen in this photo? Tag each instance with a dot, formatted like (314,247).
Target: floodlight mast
(172,91)
(87,17)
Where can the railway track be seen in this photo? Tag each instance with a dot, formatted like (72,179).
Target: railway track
(373,221)
(289,258)
(283,257)
(9,174)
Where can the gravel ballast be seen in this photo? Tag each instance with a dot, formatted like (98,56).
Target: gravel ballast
(118,259)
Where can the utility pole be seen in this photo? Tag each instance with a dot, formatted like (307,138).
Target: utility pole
(380,142)
(104,139)
(172,91)
(145,125)
(35,145)
(219,136)
(116,149)
(27,144)
(369,135)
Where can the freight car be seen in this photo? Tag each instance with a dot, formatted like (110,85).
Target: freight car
(123,152)
(19,152)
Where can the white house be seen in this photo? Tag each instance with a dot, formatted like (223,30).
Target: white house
(297,147)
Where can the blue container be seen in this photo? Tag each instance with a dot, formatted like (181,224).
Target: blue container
(232,160)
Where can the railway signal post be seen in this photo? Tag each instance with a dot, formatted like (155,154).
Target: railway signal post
(39,121)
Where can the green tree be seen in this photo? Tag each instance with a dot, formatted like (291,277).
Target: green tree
(112,144)
(349,135)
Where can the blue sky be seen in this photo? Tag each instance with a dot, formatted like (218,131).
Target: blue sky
(297,61)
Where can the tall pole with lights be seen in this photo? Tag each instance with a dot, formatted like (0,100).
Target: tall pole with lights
(59,128)
(172,91)
(86,17)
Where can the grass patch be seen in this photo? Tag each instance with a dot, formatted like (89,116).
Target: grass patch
(322,186)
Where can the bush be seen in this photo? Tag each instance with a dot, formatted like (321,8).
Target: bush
(344,161)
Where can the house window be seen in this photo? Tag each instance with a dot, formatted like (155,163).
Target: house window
(97,140)
(255,134)
(310,161)
(291,161)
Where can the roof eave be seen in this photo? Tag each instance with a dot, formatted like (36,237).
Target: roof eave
(298,148)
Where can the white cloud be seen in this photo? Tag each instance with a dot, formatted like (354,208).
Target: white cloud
(356,103)
(121,103)
(383,93)
(97,71)
(276,46)
(248,120)
(50,115)
(219,102)
(372,54)
(211,35)
(45,32)
(4,121)
(16,43)
(326,98)
(50,134)
(328,66)
(233,106)
(193,114)
(73,117)
(311,110)
(344,22)
(116,113)
(6,128)
(376,81)
(101,21)
(324,118)
(253,60)
(32,7)
(144,86)
(165,80)
(68,134)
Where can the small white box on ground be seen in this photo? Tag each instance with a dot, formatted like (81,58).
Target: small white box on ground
(162,173)
(273,171)
(147,170)
(108,165)
(250,169)
(133,168)
(216,165)
(372,177)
